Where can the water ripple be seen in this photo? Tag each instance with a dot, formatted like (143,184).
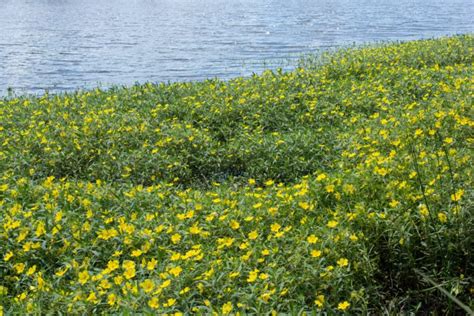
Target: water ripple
(68,44)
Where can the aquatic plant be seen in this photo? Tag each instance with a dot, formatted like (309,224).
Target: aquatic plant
(339,187)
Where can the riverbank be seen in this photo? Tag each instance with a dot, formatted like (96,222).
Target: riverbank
(334,187)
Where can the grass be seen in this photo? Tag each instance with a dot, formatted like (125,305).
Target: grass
(339,187)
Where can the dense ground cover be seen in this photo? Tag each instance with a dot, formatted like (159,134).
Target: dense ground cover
(335,187)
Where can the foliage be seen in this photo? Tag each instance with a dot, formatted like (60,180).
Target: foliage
(318,190)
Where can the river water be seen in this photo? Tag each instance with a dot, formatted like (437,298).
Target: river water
(62,45)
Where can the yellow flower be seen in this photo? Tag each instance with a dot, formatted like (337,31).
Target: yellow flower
(263,276)
(448,140)
(234,225)
(253,275)
(353,237)
(275,227)
(129,273)
(111,299)
(128,264)
(442,217)
(330,188)
(244,245)
(154,303)
(40,229)
(194,230)
(234,274)
(22,296)
(304,205)
(170,302)
(343,306)
(136,253)
(106,234)
(19,267)
(321,177)
(423,210)
(269,183)
(31,270)
(151,264)
(129,267)
(315,253)
(165,284)
(61,272)
(58,216)
(185,290)
(22,236)
(175,256)
(176,238)
(8,256)
(227,308)
(257,205)
(105,284)
(40,281)
(83,277)
(312,239)
(394,203)
(380,171)
(343,262)
(92,297)
(457,196)
(319,301)
(253,235)
(147,285)
(176,271)
(113,265)
(266,296)
(332,224)
(273,210)
(348,188)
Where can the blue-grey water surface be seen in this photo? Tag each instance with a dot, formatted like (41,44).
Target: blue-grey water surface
(62,45)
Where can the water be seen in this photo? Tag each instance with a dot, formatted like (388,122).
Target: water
(62,45)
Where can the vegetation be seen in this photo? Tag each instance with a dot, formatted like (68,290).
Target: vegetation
(344,186)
